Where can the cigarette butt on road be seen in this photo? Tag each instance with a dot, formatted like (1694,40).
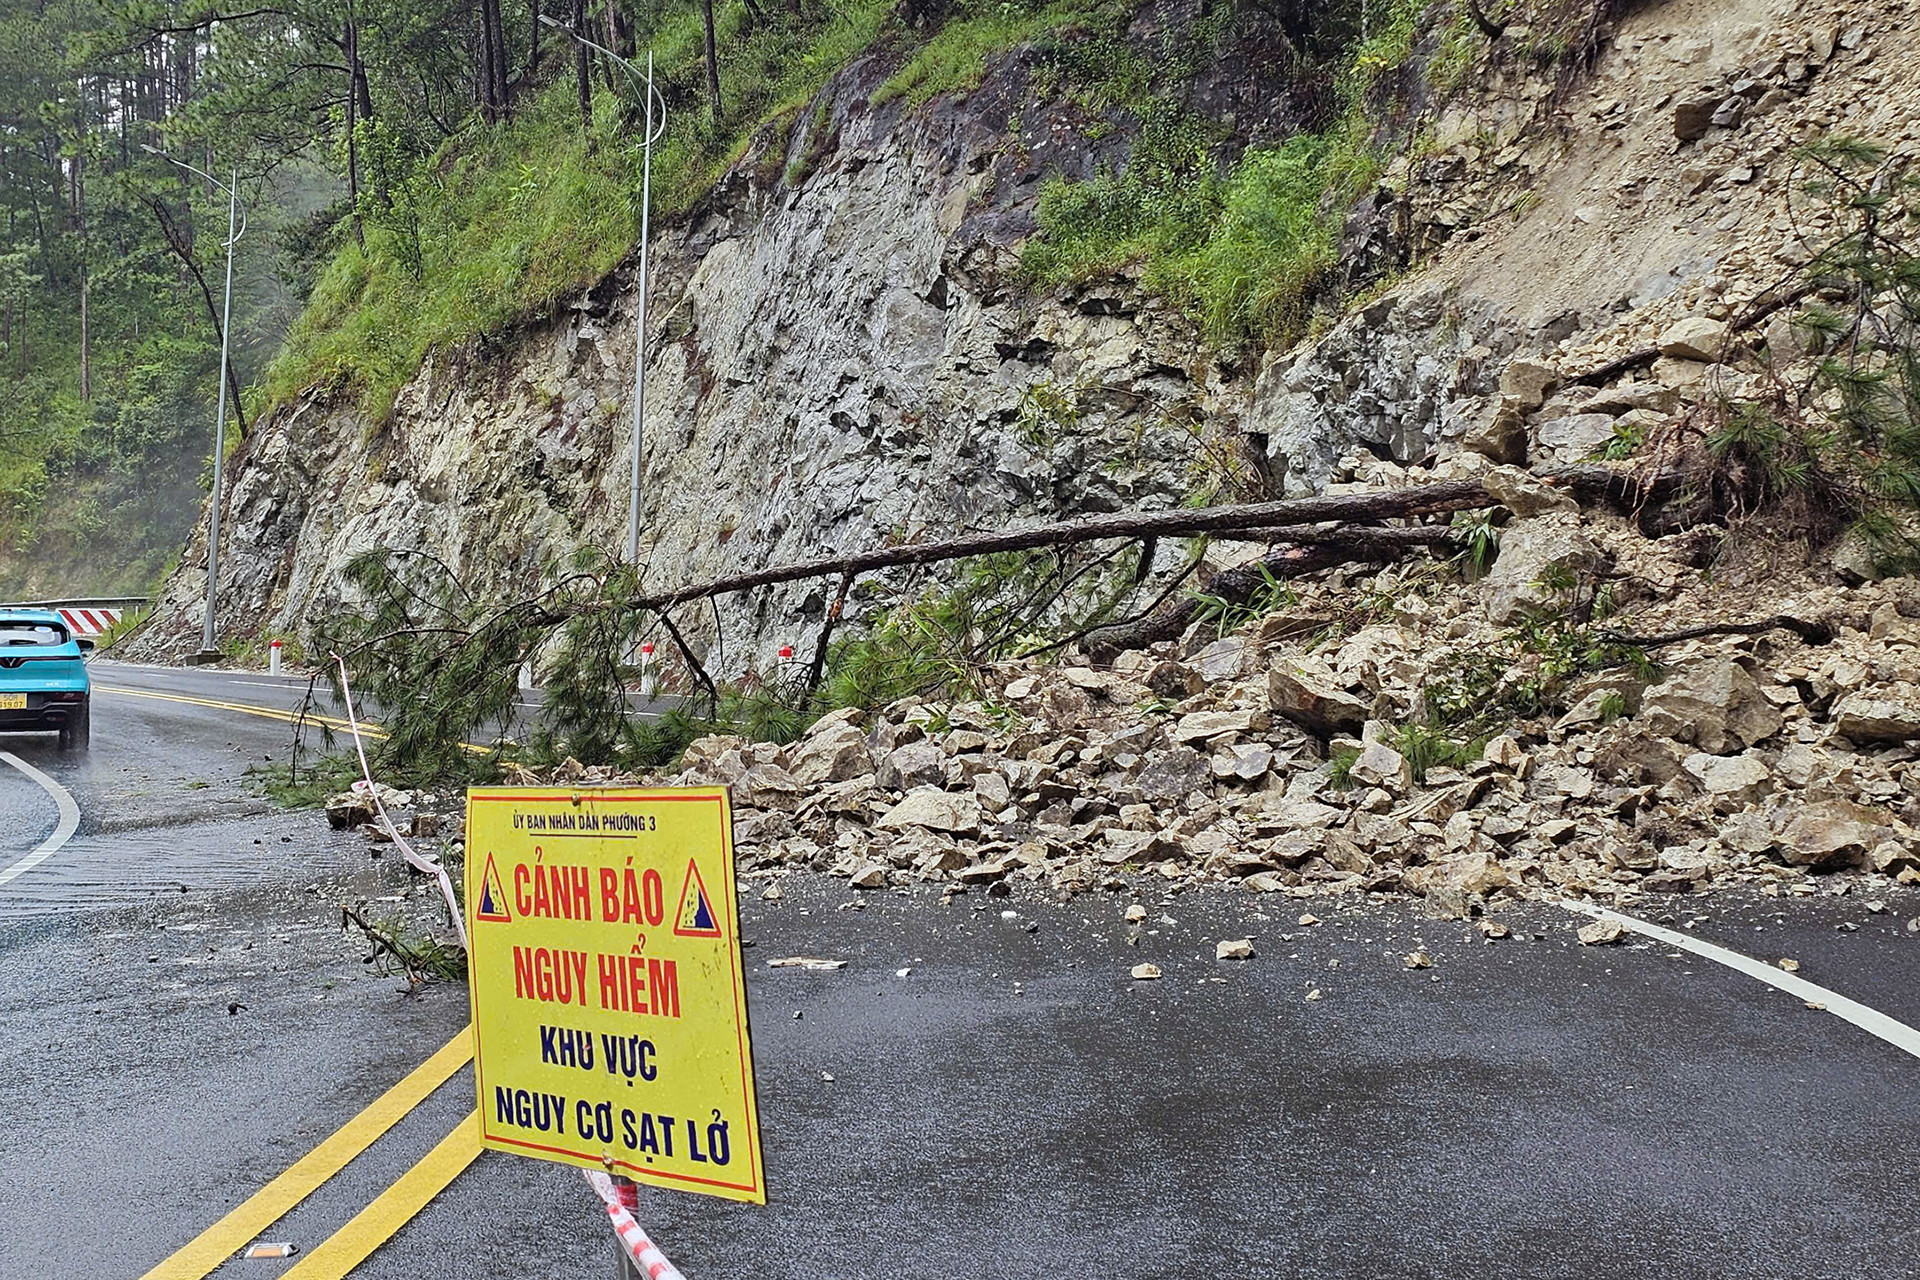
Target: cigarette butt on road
(276,1250)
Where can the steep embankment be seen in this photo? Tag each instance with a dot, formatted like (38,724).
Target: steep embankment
(835,362)
(843,353)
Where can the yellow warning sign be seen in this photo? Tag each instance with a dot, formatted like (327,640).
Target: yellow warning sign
(610,1019)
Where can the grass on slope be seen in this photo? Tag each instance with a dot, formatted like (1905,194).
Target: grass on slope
(1243,253)
(509,219)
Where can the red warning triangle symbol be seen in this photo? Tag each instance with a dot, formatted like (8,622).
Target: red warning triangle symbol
(697,916)
(493,900)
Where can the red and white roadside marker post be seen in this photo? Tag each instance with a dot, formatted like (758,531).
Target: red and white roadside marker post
(273,658)
(649,675)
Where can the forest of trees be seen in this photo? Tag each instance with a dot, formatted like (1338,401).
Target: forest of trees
(111,254)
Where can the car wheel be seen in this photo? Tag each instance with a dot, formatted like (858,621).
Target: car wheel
(75,733)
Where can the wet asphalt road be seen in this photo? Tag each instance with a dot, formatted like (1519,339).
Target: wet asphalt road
(1014,1106)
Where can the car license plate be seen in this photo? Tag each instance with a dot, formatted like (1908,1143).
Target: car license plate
(13,702)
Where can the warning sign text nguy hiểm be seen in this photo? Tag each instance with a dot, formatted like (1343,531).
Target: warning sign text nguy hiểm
(609,996)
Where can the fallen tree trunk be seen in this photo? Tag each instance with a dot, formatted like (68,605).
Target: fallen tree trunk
(1270,517)
(1811,632)
(1612,369)
(1346,545)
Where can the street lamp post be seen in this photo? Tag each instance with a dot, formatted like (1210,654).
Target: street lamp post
(655,128)
(236,227)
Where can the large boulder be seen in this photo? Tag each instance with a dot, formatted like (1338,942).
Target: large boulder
(1529,381)
(1887,714)
(1830,833)
(1575,436)
(1528,551)
(1200,726)
(837,755)
(1695,338)
(935,810)
(1500,434)
(1306,692)
(1732,781)
(916,764)
(1692,117)
(1712,703)
(767,786)
(1525,494)
(1379,765)
(349,809)
(1227,658)
(1172,775)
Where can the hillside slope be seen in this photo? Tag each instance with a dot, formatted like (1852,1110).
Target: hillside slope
(845,354)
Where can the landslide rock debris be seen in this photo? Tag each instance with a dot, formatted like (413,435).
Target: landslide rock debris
(1301,758)
(1756,760)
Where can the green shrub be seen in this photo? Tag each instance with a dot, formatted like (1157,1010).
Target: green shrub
(1425,747)
(1243,254)
(1340,766)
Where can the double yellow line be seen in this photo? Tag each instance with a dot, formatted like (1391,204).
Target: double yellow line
(393,1208)
(250,709)
(348,1247)
(269,713)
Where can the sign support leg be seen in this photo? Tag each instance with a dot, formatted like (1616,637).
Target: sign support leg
(629,1192)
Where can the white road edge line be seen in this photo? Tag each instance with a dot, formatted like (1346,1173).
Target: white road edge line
(1872,1021)
(69,820)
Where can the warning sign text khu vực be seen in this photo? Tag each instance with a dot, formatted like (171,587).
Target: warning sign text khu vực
(608,990)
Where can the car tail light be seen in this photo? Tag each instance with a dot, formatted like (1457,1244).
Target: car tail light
(65,697)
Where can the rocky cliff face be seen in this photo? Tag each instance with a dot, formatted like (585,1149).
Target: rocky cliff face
(848,359)
(1580,224)
(833,365)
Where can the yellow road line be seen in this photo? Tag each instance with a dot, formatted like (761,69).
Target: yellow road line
(246,708)
(266,1206)
(393,1208)
(271,713)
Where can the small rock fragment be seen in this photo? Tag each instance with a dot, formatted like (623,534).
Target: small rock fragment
(1136,913)
(1791,966)
(1143,972)
(1234,949)
(1602,932)
(1309,919)
(1418,960)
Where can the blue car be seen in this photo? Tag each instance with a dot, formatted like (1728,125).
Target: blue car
(43,677)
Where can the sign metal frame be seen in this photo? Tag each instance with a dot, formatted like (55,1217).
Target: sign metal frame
(512,832)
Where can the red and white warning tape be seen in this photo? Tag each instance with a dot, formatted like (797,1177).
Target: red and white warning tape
(641,1248)
(419,862)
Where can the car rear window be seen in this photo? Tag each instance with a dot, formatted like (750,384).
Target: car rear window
(13,634)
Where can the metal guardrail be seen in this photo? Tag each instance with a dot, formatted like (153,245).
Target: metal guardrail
(81,602)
